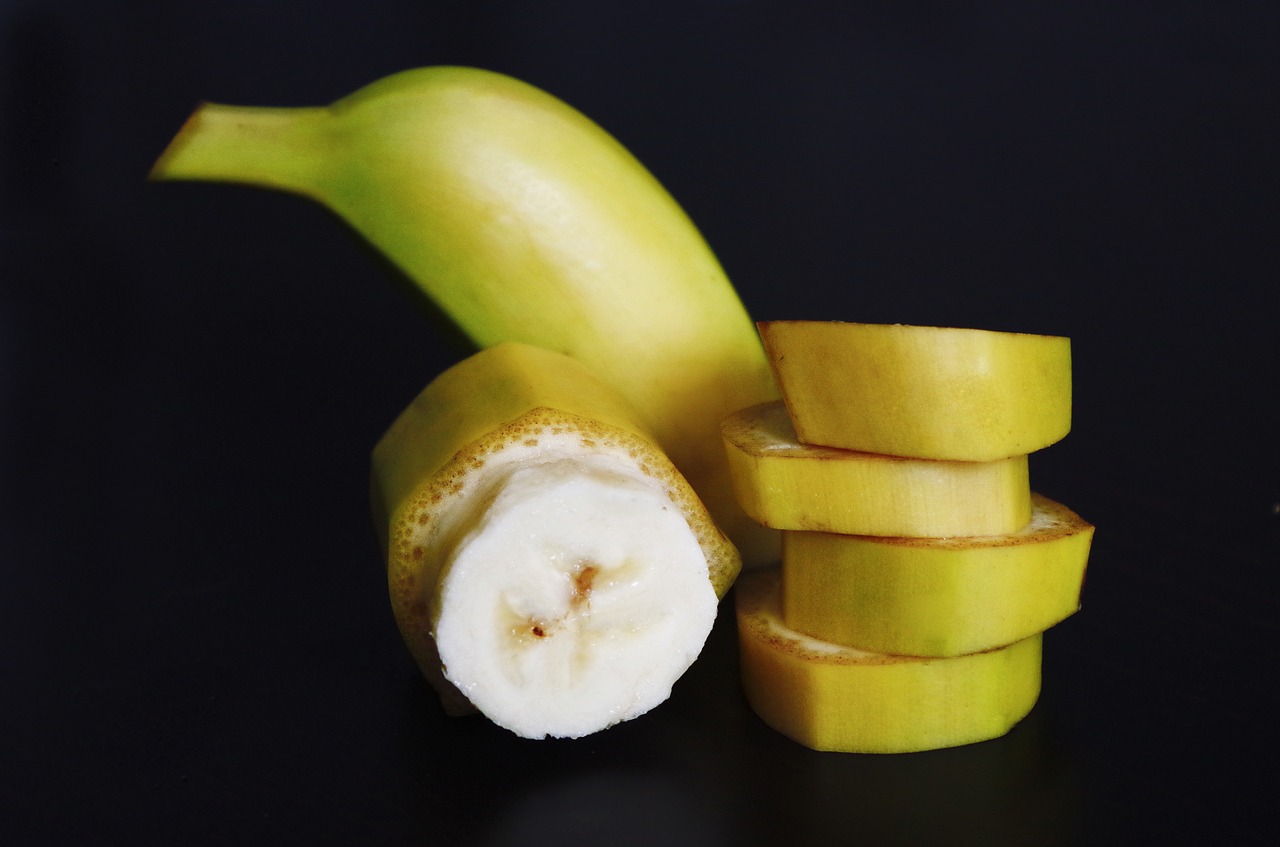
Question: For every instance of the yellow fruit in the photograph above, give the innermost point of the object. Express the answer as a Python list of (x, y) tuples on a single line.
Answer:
[(830, 697), (444, 462), (924, 392), (792, 486), (941, 596), (522, 220)]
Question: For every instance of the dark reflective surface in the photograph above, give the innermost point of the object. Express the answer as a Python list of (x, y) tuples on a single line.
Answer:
[(198, 648)]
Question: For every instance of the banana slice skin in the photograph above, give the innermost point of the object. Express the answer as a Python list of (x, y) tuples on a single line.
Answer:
[(835, 698), (788, 485), (547, 564), (920, 391), (937, 597)]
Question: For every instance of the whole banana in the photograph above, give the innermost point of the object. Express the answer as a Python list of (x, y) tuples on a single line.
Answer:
[(524, 221)]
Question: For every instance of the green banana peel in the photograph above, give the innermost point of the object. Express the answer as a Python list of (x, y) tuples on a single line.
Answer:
[(522, 220)]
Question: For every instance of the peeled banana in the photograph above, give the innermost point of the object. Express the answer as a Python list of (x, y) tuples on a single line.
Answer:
[(830, 697), (920, 391), (937, 596), (547, 564), (523, 221), (792, 486)]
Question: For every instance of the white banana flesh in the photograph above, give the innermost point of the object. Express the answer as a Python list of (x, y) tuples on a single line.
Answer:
[(574, 599), (548, 566)]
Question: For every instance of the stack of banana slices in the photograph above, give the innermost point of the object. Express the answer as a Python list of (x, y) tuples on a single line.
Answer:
[(919, 571)]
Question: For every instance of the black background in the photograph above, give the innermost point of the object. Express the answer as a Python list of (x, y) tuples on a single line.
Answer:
[(195, 643)]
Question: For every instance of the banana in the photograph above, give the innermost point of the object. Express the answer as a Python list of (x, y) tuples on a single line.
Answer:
[(548, 566), (792, 486), (919, 391), (830, 697), (937, 596), (524, 221)]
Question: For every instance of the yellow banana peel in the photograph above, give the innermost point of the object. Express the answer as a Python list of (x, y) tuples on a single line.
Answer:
[(923, 392), (830, 697), (788, 485), (522, 220), (937, 596)]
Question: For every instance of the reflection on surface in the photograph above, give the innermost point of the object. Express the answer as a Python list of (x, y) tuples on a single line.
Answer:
[(1020, 789), (702, 769), (606, 807)]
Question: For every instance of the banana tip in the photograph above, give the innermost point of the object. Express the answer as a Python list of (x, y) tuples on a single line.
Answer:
[(161, 169)]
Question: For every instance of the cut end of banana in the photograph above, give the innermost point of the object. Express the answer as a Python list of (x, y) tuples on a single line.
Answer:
[(560, 574), (575, 601)]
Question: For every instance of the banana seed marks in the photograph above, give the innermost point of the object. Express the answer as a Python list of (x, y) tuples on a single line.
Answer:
[(582, 582)]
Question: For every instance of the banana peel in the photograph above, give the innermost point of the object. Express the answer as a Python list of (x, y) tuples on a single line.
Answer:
[(937, 596), (919, 391), (522, 220), (788, 485), (835, 698)]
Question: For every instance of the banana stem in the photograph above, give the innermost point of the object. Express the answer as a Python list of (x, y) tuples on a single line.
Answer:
[(270, 147)]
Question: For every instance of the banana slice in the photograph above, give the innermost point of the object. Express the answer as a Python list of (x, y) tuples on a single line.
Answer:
[(830, 697), (924, 392), (792, 486), (940, 596), (547, 564)]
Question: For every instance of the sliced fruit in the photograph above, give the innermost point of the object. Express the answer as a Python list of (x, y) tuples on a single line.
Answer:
[(939, 596), (924, 392), (547, 563), (788, 485), (830, 697)]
